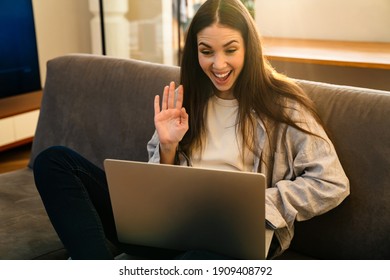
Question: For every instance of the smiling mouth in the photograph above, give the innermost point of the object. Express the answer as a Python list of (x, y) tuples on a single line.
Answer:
[(222, 76)]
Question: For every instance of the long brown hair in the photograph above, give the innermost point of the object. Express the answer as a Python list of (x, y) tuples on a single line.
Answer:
[(259, 89)]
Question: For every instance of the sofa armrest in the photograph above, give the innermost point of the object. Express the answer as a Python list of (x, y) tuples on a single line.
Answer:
[(358, 123)]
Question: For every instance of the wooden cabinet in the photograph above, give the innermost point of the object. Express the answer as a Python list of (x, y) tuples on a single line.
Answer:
[(18, 119)]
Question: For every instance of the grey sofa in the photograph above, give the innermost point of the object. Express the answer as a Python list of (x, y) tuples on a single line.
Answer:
[(103, 107)]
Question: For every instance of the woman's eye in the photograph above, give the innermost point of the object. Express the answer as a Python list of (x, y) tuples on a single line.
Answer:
[(206, 52), (231, 50)]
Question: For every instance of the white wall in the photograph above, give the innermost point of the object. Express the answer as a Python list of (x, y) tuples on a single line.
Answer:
[(350, 20), (62, 27)]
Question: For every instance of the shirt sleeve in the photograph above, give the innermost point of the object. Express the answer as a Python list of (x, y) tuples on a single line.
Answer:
[(153, 148), (307, 177)]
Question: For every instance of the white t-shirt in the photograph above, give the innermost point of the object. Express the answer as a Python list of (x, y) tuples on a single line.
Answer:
[(223, 143)]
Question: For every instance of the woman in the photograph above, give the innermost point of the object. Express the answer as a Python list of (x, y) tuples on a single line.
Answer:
[(231, 111)]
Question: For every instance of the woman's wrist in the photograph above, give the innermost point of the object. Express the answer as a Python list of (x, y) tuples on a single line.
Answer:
[(168, 153)]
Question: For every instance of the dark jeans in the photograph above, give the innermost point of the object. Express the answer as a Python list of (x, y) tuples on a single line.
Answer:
[(75, 194)]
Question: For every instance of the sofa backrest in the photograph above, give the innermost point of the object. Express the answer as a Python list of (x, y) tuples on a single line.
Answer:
[(358, 121), (101, 107)]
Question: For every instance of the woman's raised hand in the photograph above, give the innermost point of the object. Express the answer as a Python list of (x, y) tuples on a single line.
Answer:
[(171, 120)]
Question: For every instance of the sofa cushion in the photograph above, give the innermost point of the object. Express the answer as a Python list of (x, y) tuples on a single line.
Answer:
[(25, 230)]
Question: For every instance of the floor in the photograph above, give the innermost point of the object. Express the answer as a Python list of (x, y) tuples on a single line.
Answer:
[(15, 158)]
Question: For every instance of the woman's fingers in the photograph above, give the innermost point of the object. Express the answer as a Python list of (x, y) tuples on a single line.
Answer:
[(169, 98), (164, 104), (179, 100), (156, 104), (171, 95)]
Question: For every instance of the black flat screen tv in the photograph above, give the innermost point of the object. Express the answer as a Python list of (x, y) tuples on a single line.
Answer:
[(19, 66)]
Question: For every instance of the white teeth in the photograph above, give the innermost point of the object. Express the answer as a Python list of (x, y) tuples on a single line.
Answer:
[(222, 75)]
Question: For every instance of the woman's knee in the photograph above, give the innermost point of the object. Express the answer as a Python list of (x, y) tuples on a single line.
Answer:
[(49, 155), (48, 161)]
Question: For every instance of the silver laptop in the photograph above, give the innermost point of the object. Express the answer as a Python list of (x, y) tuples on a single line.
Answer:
[(187, 208)]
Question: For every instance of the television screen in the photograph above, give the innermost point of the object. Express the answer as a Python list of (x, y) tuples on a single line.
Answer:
[(19, 67)]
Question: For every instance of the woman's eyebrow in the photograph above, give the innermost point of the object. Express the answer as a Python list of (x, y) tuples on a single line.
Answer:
[(230, 42), (225, 45), (204, 44)]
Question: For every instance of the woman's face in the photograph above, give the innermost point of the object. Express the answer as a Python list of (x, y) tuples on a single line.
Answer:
[(221, 52)]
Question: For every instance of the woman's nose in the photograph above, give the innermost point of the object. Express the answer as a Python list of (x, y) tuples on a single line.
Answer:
[(219, 62)]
